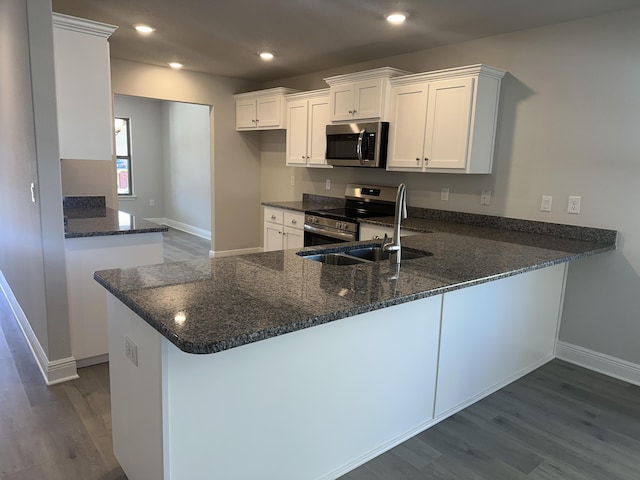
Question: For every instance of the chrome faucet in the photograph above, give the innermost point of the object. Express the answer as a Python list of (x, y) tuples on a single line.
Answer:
[(393, 245)]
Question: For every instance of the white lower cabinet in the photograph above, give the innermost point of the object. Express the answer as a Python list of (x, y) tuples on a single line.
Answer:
[(283, 229), (445, 121), (376, 232)]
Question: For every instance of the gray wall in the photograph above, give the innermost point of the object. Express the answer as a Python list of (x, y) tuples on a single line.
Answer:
[(187, 160), (171, 160), (235, 168), (32, 239), (568, 125), (146, 151)]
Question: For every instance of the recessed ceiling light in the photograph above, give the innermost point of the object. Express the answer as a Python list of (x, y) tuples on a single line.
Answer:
[(144, 28), (396, 18), (175, 65), (266, 55)]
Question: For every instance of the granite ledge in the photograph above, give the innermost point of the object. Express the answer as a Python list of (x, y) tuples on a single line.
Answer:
[(94, 221)]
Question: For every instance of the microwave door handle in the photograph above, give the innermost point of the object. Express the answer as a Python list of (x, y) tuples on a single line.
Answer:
[(359, 146)]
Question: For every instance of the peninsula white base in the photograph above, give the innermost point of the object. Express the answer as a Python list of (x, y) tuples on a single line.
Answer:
[(316, 403)]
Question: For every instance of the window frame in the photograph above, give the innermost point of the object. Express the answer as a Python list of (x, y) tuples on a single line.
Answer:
[(127, 158)]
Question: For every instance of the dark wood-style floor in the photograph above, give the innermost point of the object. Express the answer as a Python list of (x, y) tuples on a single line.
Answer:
[(561, 422)]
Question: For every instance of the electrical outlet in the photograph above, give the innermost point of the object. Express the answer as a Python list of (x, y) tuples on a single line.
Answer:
[(485, 197), (545, 205), (131, 350), (444, 193), (152, 203), (574, 205), (327, 184), (293, 181)]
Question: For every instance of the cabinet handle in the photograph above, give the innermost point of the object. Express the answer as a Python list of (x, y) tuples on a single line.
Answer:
[(273, 217), (294, 221)]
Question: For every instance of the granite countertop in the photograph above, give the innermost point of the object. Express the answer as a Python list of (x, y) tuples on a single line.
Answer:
[(102, 221), (210, 305)]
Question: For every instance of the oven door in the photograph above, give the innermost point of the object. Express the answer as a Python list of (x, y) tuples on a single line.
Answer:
[(314, 235)]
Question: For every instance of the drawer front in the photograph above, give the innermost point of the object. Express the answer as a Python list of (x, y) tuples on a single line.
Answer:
[(294, 220), (273, 215)]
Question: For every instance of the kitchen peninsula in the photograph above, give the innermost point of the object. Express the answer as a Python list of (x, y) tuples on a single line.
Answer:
[(98, 237), (272, 365)]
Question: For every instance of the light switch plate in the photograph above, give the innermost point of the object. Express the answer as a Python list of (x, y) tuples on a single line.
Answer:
[(545, 205), (327, 184), (444, 193), (131, 350)]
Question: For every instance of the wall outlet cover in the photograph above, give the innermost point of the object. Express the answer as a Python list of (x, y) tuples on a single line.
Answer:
[(485, 197), (444, 193), (545, 205), (574, 205)]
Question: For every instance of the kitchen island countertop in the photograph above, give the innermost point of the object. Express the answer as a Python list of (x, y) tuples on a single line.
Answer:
[(210, 305)]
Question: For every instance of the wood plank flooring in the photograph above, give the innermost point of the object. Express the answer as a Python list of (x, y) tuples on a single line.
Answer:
[(180, 246), (561, 422)]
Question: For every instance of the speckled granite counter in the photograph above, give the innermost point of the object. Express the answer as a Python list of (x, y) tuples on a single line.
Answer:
[(88, 216), (210, 305)]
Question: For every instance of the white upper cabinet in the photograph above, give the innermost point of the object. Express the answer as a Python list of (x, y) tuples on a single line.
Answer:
[(307, 118), (444, 121), (83, 88), (362, 95), (261, 110)]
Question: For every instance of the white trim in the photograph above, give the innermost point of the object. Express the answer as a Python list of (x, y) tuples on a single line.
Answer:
[(53, 372), (89, 361), (183, 227), (599, 362), (82, 25), (229, 253)]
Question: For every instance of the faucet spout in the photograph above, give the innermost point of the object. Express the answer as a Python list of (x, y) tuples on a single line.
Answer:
[(400, 214)]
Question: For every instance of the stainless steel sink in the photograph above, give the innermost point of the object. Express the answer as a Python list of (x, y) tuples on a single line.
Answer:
[(335, 259), (358, 255), (376, 254)]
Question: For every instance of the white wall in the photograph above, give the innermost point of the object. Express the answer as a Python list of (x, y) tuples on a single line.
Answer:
[(146, 154), (569, 124), (187, 159)]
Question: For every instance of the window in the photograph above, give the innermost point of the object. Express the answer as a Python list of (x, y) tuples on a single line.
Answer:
[(123, 156)]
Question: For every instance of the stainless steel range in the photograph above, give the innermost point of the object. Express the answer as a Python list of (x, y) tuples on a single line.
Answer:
[(336, 225)]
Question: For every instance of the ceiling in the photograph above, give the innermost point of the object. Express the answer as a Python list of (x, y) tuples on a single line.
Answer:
[(223, 37)]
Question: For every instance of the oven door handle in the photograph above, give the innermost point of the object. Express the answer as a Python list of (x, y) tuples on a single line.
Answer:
[(346, 237), (359, 146)]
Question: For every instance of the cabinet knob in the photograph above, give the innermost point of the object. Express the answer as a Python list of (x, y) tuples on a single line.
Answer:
[(273, 217), (418, 159), (376, 237), (426, 160), (303, 157), (294, 221)]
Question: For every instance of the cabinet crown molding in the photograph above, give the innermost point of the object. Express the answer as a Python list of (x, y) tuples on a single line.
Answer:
[(82, 25), (479, 69), (383, 72), (307, 94), (269, 91)]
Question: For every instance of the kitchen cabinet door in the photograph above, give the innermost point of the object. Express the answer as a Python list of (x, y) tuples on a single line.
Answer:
[(448, 123), (272, 237), (246, 113), (342, 101), (318, 117), (367, 99), (407, 127), (83, 88), (268, 111), (293, 238), (297, 130)]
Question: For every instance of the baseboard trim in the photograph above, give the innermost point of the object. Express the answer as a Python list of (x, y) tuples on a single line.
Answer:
[(230, 253), (56, 371), (599, 362), (183, 227), (89, 361)]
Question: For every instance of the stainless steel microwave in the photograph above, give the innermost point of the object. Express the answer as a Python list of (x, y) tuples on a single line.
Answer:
[(357, 144)]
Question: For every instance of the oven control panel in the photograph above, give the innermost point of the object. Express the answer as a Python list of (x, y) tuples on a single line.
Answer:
[(342, 225)]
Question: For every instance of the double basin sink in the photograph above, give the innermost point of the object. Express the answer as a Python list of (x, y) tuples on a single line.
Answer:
[(361, 254)]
